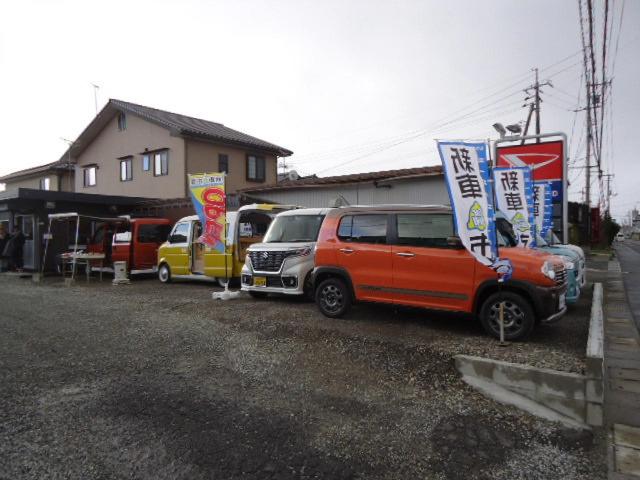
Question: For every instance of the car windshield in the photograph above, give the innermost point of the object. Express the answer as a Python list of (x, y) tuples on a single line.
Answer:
[(506, 235), (294, 228), (553, 239), (541, 241)]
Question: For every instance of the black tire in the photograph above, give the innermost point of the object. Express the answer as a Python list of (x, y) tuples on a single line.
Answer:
[(258, 295), (519, 317), (164, 273), (333, 298)]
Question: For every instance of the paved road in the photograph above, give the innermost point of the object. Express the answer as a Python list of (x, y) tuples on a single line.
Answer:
[(628, 252)]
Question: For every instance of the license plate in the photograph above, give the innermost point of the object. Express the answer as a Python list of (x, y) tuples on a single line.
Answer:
[(561, 302), (259, 281)]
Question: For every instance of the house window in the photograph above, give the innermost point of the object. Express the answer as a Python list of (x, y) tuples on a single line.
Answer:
[(161, 163), (90, 176), (122, 121), (223, 163), (125, 169), (146, 162), (45, 183), (255, 168)]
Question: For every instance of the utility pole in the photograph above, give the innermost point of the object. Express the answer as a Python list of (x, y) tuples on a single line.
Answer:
[(608, 208), (587, 197), (526, 125), (535, 104)]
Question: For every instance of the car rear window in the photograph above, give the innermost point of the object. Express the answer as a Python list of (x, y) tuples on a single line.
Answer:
[(363, 228)]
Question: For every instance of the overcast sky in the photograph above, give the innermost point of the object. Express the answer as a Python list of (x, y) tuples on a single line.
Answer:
[(349, 86)]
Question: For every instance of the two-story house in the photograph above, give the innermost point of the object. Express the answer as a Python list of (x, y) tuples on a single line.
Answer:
[(137, 151), (133, 159)]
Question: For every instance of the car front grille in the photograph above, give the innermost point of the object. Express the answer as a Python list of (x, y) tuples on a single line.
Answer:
[(561, 274), (268, 261)]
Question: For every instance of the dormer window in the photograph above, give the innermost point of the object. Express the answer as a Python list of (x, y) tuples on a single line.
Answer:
[(122, 121)]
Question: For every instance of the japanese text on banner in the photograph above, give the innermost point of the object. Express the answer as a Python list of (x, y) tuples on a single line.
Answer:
[(514, 198), (467, 174), (209, 200), (543, 207)]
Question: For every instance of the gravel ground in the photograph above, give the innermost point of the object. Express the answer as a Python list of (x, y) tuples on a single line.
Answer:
[(156, 381)]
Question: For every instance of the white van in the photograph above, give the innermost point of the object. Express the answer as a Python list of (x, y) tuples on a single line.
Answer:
[(283, 262)]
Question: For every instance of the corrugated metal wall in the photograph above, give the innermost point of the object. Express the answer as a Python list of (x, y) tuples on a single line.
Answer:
[(427, 190)]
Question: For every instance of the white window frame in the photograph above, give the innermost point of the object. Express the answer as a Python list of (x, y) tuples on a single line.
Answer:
[(161, 163), (127, 163), (87, 182)]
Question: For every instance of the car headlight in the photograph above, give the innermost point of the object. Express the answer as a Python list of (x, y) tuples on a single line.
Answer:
[(301, 252), (548, 271), (569, 265)]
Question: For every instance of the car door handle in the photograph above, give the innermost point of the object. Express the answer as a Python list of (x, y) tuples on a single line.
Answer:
[(346, 250), (405, 254)]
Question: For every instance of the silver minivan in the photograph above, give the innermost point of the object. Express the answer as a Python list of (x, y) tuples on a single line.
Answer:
[(283, 262)]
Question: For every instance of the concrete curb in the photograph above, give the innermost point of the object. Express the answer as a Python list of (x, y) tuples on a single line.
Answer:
[(573, 399)]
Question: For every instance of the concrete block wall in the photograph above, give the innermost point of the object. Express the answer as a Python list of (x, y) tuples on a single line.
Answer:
[(570, 395)]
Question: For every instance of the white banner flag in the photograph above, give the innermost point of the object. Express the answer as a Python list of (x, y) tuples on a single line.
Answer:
[(514, 195), (467, 176)]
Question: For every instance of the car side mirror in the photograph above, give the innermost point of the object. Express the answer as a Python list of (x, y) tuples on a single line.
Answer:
[(454, 242)]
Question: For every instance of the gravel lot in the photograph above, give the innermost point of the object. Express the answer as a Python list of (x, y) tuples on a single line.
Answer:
[(157, 381)]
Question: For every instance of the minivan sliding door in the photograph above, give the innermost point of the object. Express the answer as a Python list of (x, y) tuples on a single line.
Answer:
[(427, 272)]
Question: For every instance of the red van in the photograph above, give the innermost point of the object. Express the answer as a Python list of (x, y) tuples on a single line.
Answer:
[(134, 241)]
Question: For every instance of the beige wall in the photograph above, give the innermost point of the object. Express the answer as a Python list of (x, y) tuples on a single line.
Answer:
[(66, 181), (34, 182), (202, 157), (110, 144)]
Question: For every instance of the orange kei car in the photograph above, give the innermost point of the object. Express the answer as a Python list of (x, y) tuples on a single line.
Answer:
[(408, 255)]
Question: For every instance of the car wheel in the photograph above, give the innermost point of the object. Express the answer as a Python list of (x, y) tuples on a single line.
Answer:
[(519, 318), (164, 273), (259, 295), (333, 298)]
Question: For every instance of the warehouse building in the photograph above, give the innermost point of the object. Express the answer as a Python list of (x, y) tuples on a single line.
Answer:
[(422, 185)]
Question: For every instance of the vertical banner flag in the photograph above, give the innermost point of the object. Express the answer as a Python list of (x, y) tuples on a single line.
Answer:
[(210, 202), (514, 198), (466, 172), (547, 162), (543, 207)]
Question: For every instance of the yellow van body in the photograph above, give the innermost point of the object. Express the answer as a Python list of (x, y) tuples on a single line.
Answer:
[(183, 256)]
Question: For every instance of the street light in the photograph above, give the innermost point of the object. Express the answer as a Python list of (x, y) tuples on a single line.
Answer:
[(515, 128), (500, 129)]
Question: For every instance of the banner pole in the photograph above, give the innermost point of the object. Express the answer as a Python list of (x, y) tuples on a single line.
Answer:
[(495, 207)]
